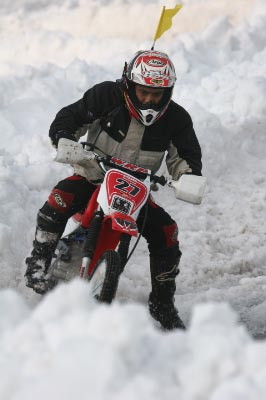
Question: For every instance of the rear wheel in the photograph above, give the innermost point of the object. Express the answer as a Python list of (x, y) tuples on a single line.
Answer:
[(104, 280)]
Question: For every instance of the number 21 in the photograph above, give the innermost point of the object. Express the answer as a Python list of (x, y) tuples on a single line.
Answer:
[(127, 187)]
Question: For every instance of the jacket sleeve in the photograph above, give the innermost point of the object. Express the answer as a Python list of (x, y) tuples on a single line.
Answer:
[(75, 118), (71, 119), (184, 152)]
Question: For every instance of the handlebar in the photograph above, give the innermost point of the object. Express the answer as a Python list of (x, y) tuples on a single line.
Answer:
[(189, 188), (124, 166)]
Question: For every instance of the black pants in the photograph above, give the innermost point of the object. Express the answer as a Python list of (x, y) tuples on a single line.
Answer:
[(72, 194)]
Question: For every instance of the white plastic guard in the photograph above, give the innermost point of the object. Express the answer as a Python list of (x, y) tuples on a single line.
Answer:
[(71, 152), (190, 188)]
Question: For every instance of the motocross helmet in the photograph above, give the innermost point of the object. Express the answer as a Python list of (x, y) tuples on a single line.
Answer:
[(152, 69)]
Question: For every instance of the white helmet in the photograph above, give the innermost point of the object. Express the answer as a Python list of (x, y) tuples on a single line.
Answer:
[(152, 69)]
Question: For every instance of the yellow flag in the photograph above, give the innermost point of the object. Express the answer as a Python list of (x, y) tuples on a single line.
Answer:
[(166, 20)]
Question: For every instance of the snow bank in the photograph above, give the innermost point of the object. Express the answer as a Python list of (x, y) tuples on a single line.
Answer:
[(70, 347)]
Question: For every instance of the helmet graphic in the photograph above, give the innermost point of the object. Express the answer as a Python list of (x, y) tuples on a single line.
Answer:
[(153, 69)]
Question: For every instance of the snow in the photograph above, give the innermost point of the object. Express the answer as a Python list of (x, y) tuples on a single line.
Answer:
[(67, 346)]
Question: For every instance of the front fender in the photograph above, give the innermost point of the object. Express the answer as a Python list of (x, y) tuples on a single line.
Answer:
[(123, 223)]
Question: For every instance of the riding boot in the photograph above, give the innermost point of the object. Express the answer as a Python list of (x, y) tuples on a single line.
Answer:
[(164, 269), (50, 227)]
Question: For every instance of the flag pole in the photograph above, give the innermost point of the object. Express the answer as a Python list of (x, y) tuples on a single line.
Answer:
[(158, 27), (165, 21)]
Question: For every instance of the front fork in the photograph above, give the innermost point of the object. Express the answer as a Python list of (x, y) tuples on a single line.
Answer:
[(123, 249), (90, 243)]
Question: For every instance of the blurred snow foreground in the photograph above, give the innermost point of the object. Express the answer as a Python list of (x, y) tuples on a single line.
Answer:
[(71, 347)]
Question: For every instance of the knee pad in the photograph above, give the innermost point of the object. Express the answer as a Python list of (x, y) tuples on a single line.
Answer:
[(61, 200), (171, 234)]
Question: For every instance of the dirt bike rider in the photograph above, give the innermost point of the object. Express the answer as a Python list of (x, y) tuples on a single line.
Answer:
[(134, 119)]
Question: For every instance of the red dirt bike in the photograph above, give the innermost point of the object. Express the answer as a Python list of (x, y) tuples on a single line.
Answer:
[(95, 244)]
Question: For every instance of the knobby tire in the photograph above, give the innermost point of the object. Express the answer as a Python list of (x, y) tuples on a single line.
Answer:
[(111, 279)]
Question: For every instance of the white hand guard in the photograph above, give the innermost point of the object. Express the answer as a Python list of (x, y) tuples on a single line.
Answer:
[(70, 152), (189, 188)]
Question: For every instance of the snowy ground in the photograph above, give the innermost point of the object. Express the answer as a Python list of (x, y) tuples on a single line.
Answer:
[(66, 346)]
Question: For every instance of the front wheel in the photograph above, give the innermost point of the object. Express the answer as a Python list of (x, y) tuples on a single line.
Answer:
[(104, 280)]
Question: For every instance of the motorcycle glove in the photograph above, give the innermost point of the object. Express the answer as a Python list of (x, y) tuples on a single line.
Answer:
[(59, 135)]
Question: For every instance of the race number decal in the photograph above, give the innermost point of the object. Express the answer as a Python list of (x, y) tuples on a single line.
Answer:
[(127, 187)]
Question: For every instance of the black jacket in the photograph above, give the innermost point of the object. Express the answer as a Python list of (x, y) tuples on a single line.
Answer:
[(105, 101)]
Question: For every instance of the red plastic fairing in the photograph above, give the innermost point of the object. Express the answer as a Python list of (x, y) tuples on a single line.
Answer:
[(102, 243), (125, 185), (112, 227), (90, 210), (77, 217)]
